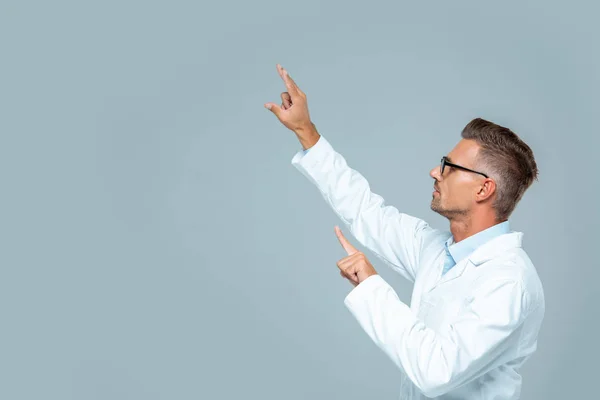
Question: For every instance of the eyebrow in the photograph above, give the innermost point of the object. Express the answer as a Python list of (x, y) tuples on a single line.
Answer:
[(449, 159)]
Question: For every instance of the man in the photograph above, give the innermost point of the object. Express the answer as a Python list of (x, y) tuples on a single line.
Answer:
[(477, 303)]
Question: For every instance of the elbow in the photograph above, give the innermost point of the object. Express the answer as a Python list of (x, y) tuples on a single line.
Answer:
[(441, 378), (435, 389)]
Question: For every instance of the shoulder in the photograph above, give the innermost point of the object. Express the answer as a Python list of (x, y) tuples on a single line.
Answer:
[(514, 265)]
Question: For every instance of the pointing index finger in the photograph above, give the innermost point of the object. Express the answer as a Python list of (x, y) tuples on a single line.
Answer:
[(289, 82), (344, 242)]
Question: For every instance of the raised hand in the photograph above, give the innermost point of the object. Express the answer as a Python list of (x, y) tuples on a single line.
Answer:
[(293, 112)]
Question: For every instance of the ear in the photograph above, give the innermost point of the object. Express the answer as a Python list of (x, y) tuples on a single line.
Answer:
[(486, 189)]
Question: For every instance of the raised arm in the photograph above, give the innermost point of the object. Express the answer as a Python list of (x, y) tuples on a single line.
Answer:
[(395, 237)]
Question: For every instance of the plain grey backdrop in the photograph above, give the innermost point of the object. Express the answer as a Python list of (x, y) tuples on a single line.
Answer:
[(157, 243)]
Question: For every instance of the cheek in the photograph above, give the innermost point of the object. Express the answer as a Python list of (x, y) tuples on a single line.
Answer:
[(462, 193), (456, 192)]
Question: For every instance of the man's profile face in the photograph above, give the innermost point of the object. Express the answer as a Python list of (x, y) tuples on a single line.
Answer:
[(456, 189)]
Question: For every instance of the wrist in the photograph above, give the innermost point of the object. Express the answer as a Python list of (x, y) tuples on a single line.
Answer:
[(308, 136)]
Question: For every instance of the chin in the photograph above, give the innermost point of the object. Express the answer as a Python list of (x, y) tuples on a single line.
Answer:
[(436, 207)]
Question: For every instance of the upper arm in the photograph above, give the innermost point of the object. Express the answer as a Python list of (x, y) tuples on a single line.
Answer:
[(395, 237)]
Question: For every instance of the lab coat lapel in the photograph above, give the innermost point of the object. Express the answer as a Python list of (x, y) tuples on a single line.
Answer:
[(452, 273)]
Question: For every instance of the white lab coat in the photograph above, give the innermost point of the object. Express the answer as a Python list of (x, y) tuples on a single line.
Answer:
[(466, 333)]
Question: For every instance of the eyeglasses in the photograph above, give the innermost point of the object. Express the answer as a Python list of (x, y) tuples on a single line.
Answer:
[(445, 162)]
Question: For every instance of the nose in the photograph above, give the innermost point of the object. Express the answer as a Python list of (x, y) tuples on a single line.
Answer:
[(435, 173)]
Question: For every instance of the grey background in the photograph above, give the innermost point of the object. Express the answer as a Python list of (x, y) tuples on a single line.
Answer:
[(158, 244)]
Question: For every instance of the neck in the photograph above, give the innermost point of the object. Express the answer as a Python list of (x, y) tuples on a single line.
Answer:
[(465, 226)]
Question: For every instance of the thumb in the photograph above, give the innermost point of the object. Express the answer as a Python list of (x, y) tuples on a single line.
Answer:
[(275, 109)]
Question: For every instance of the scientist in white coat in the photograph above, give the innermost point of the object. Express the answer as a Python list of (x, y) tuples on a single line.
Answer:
[(477, 303)]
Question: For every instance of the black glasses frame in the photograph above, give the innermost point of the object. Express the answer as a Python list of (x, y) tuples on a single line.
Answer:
[(445, 162)]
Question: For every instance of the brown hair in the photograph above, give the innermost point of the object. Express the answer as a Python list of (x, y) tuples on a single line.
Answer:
[(506, 159)]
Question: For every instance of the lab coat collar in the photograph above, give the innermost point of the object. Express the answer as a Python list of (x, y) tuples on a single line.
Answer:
[(464, 248), (496, 246)]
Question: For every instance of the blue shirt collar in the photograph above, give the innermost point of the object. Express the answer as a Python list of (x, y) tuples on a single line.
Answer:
[(464, 248)]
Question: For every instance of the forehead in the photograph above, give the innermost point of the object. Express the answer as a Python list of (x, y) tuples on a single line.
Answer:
[(464, 153)]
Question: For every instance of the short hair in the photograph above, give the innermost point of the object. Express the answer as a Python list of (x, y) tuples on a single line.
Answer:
[(505, 158)]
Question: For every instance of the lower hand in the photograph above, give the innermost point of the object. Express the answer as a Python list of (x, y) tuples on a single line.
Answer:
[(355, 267)]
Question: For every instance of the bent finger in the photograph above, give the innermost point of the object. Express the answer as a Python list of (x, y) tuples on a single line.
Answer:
[(286, 100)]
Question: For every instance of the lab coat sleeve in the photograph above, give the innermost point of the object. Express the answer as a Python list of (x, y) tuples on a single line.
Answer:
[(437, 362), (394, 237)]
